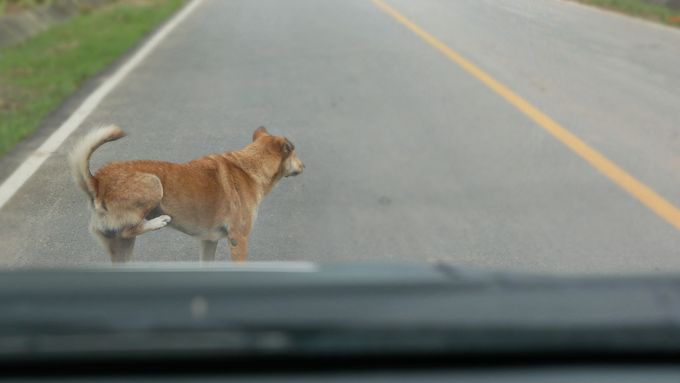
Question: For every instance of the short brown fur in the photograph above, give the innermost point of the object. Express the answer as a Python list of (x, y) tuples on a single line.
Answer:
[(208, 198)]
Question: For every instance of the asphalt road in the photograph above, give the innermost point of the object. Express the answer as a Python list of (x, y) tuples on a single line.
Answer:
[(408, 157)]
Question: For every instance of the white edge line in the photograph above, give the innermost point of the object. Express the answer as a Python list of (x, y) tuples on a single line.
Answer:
[(33, 163)]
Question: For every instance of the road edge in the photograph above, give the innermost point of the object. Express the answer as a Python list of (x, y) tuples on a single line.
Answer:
[(622, 15), (20, 163)]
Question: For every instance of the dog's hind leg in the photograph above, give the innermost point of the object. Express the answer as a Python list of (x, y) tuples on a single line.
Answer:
[(208, 249), (120, 249), (120, 245), (145, 227)]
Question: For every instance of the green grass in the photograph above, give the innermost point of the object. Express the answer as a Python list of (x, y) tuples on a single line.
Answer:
[(639, 9), (36, 76)]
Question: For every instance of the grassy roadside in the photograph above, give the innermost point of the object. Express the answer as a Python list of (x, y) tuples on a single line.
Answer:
[(639, 9), (36, 76)]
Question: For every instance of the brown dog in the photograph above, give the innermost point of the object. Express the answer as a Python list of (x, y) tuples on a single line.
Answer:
[(208, 198)]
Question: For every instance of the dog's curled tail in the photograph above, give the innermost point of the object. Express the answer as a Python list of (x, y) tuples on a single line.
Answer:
[(82, 151)]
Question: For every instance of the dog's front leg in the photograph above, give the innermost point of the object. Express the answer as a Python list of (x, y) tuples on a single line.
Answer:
[(238, 245), (208, 249)]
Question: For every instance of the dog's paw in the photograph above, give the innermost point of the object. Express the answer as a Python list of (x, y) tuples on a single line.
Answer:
[(158, 222)]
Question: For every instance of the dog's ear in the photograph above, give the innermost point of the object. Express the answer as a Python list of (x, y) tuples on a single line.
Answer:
[(261, 131), (287, 146)]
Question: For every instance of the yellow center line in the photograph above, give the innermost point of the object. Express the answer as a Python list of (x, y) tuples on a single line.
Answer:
[(639, 190)]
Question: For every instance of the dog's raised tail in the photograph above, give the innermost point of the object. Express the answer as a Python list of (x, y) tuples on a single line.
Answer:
[(82, 151)]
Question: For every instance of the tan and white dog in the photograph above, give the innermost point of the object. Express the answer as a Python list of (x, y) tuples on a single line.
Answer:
[(209, 198)]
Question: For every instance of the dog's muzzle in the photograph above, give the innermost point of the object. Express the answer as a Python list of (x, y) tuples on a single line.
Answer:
[(293, 174)]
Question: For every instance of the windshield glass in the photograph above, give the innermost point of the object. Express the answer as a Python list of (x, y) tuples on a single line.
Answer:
[(536, 136)]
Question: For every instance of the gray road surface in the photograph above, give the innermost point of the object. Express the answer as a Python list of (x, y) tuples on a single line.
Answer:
[(408, 157)]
